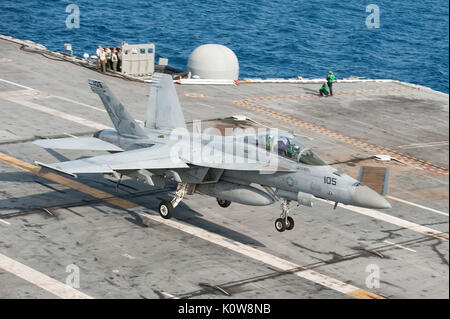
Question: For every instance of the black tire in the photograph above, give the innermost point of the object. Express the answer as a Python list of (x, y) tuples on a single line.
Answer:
[(290, 223), (166, 209), (223, 202), (280, 225)]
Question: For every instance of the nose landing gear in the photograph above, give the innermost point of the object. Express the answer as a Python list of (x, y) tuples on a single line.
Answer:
[(285, 222), (166, 207)]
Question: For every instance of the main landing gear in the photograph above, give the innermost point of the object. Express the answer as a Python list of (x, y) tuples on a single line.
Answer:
[(285, 222), (166, 207)]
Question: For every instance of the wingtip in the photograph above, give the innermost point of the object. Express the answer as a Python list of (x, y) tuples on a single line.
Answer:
[(54, 169)]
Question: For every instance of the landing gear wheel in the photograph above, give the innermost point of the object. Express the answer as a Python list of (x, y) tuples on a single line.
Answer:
[(280, 225), (223, 202), (166, 209), (289, 223)]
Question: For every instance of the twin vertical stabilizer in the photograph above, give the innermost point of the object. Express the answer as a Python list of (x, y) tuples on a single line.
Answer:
[(122, 120), (164, 110)]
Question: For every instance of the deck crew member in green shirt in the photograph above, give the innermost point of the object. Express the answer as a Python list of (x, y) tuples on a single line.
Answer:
[(330, 79), (324, 90)]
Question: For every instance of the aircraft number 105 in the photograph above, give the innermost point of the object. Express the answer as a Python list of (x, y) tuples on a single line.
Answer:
[(329, 180)]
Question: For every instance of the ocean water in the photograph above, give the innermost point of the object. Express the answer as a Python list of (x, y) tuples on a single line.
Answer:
[(279, 38)]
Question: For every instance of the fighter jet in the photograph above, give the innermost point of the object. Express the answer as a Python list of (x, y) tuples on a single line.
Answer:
[(257, 168)]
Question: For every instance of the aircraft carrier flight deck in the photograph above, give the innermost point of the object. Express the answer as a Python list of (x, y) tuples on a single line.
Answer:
[(114, 238)]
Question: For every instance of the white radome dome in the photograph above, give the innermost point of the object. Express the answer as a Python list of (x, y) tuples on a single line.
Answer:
[(213, 61)]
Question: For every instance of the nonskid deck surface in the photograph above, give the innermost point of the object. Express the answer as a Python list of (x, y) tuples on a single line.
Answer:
[(50, 224)]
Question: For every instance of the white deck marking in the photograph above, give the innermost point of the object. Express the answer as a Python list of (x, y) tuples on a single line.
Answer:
[(421, 145), (4, 222), (56, 96), (74, 136), (400, 246), (39, 279), (79, 103), (60, 114), (417, 205), (128, 256), (393, 220), (14, 98), (256, 254), (205, 105), (16, 84)]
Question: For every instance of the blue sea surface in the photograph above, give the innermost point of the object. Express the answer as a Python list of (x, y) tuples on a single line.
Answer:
[(279, 38)]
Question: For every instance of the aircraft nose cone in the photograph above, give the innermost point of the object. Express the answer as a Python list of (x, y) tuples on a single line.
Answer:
[(368, 198)]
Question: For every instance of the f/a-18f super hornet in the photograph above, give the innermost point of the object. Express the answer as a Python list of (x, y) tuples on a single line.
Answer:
[(252, 169)]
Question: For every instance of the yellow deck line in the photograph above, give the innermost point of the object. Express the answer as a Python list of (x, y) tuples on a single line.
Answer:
[(68, 182), (364, 294), (246, 250)]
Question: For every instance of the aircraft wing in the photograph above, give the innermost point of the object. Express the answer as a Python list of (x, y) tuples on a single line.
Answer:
[(155, 157), (80, 143)]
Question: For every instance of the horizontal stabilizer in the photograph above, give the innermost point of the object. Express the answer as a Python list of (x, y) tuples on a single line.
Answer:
[(81, 143)]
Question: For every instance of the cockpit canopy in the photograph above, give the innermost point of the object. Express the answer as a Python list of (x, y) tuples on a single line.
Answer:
[(287, 147)]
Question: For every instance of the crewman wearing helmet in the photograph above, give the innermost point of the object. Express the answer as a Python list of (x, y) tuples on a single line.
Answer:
[(330, 79)]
